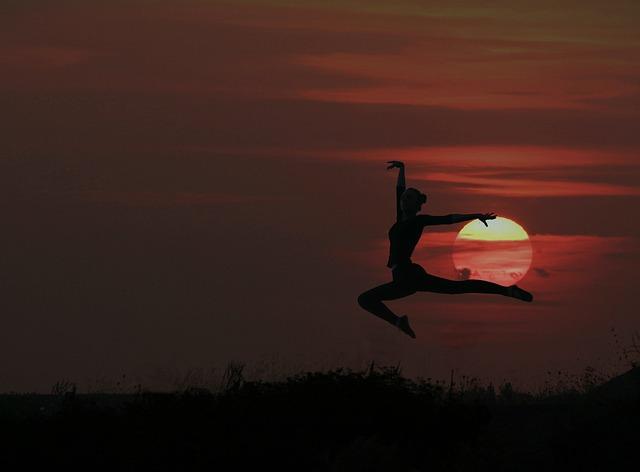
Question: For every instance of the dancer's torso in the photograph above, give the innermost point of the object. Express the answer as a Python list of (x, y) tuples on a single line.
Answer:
[(403, 237)]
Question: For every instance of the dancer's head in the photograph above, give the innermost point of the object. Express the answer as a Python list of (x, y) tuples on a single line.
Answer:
[(411, 200)]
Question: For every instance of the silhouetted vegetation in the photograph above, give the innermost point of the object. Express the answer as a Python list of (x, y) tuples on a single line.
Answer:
[(341, 420)]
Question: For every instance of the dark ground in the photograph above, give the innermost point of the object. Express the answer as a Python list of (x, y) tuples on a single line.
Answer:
[(330, 421)]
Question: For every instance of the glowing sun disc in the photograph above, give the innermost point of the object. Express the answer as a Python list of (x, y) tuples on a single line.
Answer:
[(500, 253)]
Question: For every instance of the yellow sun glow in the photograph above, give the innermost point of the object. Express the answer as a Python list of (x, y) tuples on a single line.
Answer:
[(500, 229)]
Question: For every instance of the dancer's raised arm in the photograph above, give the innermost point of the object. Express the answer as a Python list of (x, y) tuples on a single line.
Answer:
[(400, 186), (427, 220), (400, 165)]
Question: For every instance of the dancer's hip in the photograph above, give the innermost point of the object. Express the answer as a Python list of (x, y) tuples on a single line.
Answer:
[(401, 264), (407, 272)]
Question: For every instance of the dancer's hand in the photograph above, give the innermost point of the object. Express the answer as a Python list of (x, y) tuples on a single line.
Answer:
[(487, 216), (395, 164)]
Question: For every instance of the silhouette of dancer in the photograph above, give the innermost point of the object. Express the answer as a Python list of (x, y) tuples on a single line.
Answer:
[(409, 277)]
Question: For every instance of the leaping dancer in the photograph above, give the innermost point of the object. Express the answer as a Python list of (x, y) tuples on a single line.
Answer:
[(409, 277)]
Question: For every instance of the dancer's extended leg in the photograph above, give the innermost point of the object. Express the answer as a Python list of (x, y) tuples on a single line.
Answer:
[(371, 300), (433, 283)]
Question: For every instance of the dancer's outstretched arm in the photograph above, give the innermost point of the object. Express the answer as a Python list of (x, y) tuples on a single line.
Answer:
[(400, 186), (428, 220)]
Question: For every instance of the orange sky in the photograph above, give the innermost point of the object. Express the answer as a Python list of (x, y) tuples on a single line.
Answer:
[(193, 182)]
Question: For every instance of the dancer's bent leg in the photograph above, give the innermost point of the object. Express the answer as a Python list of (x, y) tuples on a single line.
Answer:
[(371, 300)]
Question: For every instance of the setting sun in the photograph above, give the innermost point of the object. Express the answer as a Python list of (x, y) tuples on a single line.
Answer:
[(500, 253)]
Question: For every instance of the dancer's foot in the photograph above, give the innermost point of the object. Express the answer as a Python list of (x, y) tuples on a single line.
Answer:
[(517, 292), (403, 324)]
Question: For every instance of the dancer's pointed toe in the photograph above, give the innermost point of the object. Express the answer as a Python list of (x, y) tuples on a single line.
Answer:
[(517, 292), (403, 325)]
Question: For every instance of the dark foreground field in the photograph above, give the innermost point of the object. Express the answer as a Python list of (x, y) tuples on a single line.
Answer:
[(333, 421)]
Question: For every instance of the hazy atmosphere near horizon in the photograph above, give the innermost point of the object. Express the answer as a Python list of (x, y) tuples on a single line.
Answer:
[(196, 182)]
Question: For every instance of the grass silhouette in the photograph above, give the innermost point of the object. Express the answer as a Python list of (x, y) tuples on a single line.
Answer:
[(339, 420)]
